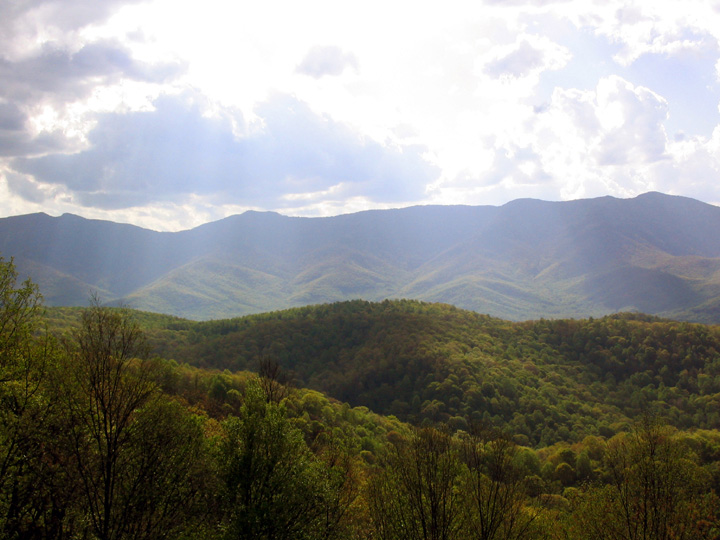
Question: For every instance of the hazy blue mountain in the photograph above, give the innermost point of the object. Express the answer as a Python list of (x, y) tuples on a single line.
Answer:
[(527, 259)]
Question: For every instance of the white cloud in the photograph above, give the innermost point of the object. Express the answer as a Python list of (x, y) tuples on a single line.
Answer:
[(530, 55), (27, 25), (604, 138), (52, 75), (693, 170), (327, 107), (176, 151), (632, 118), (641, 27), (583, 143), (326, 60)]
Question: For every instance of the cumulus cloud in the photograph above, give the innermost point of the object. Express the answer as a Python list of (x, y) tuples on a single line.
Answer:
[(18, 138), (46, 69), (11, 118), (517, 63), (632, 118), (519, 166), (25, 187), (175, 151), (617, 123), (326, 60), (22, 22), (64, 75), (56, 77), (609, 139), (693, 168), (666, 28), (530, 55), (606, 140)]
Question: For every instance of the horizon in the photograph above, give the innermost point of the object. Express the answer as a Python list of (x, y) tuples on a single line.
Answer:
[(250, 211), (118, 111)]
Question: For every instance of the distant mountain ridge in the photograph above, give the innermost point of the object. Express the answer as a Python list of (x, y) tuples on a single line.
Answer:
[(527, 259)]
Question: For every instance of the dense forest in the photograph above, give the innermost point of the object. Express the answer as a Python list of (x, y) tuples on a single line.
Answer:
[(546, 381), (357, 420)]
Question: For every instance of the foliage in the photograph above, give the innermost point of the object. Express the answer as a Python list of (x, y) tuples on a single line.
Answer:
[(653, 490), (495, 486), (273, 487), (415, 495), (116, 435), (546, 381), (25, 354)]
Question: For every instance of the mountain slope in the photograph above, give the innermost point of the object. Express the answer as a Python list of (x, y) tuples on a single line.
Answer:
[(527, 259), (545, 381)]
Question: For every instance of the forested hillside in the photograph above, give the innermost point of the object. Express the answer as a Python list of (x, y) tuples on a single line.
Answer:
[(547, 381), (527, 259), (117, 424)]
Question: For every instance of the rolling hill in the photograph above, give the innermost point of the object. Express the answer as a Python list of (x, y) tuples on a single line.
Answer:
[(527, 259), (544, 381)]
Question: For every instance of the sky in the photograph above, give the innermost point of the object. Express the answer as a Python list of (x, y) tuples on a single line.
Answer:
[(170, 113)]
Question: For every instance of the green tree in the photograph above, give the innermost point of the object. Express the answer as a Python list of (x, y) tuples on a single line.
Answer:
[(169, 462), (654, 491), (416, 496), (138, 457), (105, 381), (583, 467), (494, 483), (273, 486), (25, 413)]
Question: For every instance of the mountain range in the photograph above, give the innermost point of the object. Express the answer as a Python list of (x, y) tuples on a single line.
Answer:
[(528, 259)]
